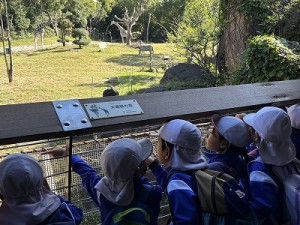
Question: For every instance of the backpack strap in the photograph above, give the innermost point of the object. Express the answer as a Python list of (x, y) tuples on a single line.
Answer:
[(172, 171), (117, 214), (229, 168)]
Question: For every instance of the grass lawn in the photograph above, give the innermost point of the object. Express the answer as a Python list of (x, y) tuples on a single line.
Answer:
[(57, 72)]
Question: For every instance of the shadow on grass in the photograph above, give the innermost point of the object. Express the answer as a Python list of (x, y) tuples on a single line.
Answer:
[(124, 80), (135, 60), (57, 49)]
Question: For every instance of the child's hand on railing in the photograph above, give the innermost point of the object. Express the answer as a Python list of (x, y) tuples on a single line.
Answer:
[(240, 115), (56, 152), (149, 160)]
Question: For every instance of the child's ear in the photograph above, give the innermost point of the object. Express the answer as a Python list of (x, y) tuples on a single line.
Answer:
[(256, 137), (168, 153), (223, 144)]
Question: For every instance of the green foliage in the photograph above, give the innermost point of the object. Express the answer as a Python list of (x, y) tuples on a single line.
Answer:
[(198, 32), (269, 58), (81, 37), (289, 23), (65, 26), (80, 33), (82, 42), (264, 17), (257, 12)]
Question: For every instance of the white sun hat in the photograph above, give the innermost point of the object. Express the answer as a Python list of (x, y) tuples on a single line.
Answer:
[(273, 125), (186, 138), (25, 200), (182, 133), (119, 162), (232, 129), (294, 114)]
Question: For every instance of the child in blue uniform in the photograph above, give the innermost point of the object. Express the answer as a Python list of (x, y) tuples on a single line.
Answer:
[(178, 149), (123, 166), (272, 136), (225, 146), (27, 199), (294, 114)]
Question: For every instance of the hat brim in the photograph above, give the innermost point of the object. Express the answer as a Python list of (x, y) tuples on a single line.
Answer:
[(117, 192), (147, 148), (154, 133), (214, 120), (249, 119), (277, 153), (39, 211)]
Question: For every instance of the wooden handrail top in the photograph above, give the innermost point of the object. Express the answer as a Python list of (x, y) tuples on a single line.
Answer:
[(37, 121)]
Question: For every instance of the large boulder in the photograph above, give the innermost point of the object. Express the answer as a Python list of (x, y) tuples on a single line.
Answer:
[(188, 75)]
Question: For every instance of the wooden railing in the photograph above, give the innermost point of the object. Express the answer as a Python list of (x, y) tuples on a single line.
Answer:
[(39, 121), (36, 121)]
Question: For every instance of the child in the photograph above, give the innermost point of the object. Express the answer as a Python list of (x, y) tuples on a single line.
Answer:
[(272, 135), (26, 199), (226, 142), (179, 144), (294, 114), (123, 166)]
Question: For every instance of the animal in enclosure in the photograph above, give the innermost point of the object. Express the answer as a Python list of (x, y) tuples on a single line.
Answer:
[(123, 31), (144, 48), (40, 31)]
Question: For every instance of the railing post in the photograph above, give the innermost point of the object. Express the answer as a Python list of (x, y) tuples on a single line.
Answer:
[(69, 144)]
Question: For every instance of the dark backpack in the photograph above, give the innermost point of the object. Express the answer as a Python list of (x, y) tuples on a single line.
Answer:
[(136, 213), (221, 199)]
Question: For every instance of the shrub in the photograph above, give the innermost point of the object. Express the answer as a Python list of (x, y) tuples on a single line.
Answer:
[(269, 58), (81, 37), (82, 42)]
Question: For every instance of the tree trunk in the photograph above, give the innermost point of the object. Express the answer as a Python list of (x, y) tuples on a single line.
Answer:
[(129, 21), (234, 37), (9, 65), (129, 34), (148, 27)]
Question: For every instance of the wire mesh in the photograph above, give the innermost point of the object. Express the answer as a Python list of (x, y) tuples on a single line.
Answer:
[(89, 148)]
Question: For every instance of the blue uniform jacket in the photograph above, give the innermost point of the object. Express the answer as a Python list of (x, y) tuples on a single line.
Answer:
[(182, 193), (90, 178), (295, 136), (65, 211), (230, 163), (263, 192)]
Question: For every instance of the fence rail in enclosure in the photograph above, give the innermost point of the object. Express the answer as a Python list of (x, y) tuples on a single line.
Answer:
[(33, 128)]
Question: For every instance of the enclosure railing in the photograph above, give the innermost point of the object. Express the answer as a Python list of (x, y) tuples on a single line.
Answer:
[(85, 126)]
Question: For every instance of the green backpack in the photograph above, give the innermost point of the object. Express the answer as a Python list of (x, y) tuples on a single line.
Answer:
[(221, 199), (136, 213)]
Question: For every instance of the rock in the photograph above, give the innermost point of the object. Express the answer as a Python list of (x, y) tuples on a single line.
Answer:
[(188, 73)]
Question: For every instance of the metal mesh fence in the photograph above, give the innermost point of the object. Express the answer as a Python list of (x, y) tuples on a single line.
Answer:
[(89, 148)]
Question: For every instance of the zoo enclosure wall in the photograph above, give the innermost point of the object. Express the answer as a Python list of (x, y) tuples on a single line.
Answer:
[(35, 127)]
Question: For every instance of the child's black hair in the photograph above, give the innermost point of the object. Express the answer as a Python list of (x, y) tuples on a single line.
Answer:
[(166, 144), (239, 150)]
